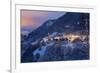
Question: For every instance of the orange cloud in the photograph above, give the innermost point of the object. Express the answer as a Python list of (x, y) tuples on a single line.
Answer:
[(28, 21), (31, 18)]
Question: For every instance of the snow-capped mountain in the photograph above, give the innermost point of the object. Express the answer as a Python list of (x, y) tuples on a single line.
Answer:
[(68, 23)]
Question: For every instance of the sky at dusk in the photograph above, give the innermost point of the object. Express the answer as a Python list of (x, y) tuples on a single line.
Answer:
[(31, 19)]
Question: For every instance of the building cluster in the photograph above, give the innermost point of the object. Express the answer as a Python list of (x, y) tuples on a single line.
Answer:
[(64, 37)]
